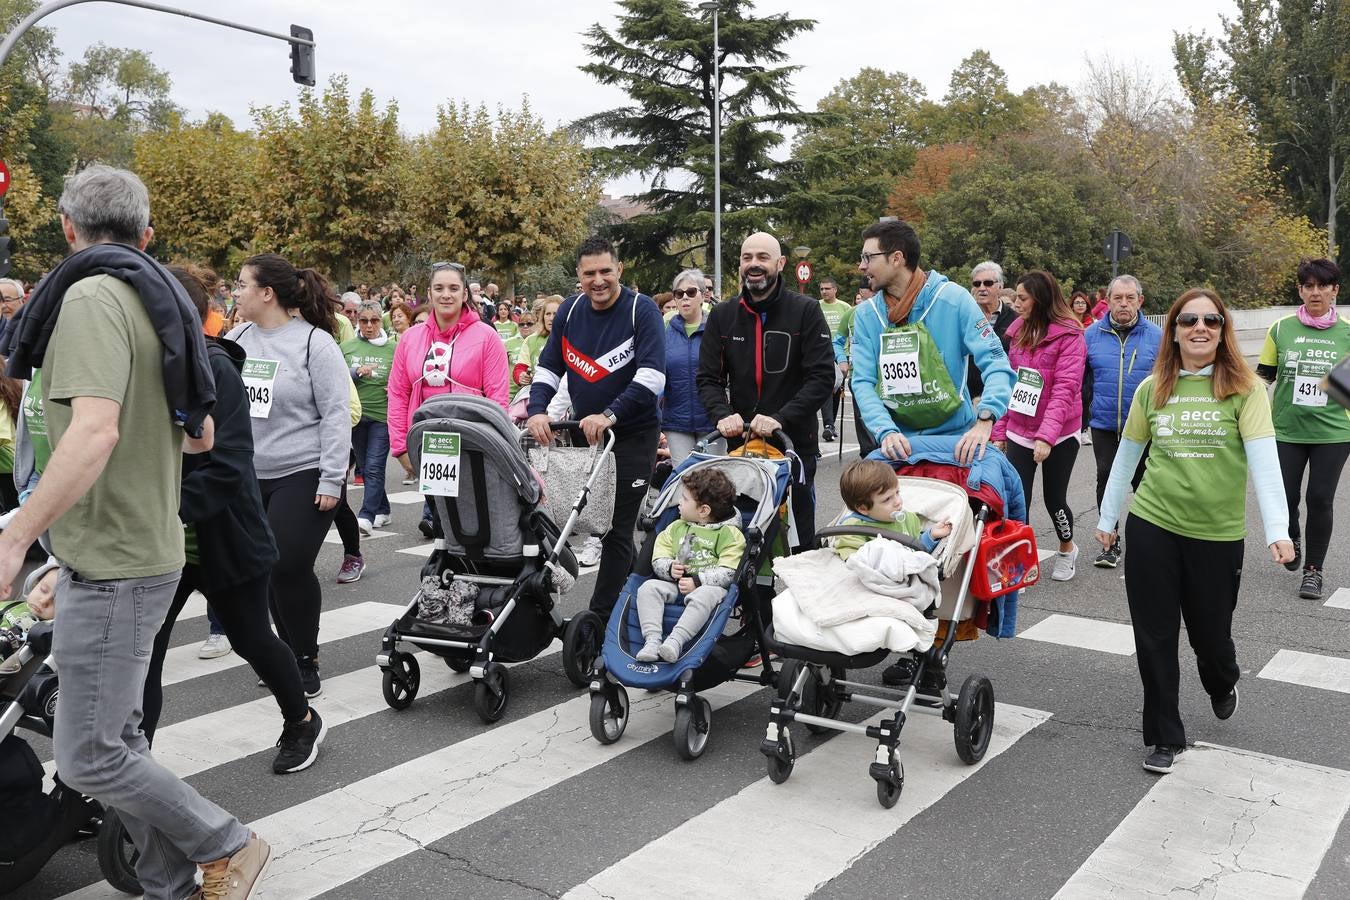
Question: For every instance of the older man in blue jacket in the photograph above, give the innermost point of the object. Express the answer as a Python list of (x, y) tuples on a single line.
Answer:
[(1121, 348)]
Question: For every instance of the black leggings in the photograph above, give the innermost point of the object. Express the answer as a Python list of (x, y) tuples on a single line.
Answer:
[(1105, 443), (299, 528), (1324, 463), (242, 610), (344, 520), (1058, 466)]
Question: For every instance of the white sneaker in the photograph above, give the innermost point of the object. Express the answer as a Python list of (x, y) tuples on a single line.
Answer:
[(1066, 565), (215, 645), (589, 554), (1085, 438), (383, 519), (365, 526)]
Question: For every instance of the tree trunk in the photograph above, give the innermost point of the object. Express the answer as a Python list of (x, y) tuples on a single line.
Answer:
[(342, 274), (1333, 186)]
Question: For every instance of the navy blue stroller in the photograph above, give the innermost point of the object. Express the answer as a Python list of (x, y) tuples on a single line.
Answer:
[(712, 656)]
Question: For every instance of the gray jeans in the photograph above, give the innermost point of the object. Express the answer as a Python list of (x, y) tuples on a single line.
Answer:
[(681, 444), (699, 603), (105, 631)]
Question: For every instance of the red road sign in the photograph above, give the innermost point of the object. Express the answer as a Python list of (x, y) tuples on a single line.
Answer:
[(4, 178), (803, 272)]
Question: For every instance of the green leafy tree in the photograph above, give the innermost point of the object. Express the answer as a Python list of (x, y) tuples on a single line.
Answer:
[(660, 55), (323, 189), (110, 96), (978, 107)]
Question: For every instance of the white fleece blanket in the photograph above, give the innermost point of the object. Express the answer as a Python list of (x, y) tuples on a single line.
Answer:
[(892, 570), (835, 590)]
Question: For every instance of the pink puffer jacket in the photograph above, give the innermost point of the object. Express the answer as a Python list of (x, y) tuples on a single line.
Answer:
[(1060, 358)]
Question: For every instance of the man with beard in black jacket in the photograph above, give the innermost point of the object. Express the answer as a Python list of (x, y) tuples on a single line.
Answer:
[(766, 363)]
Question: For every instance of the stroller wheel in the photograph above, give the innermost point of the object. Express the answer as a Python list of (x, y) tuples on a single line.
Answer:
[(582, 638), (811, 702), (608, 720), (692, 727), (780, 764), (117, 855), (401, 680), (974, 718), (492, 693), (47, 697), (890, 788)]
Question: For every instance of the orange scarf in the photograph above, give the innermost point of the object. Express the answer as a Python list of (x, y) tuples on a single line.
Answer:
[(897, 311)]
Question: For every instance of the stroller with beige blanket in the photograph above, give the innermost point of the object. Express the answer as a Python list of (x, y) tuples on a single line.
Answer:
[(834, 617)]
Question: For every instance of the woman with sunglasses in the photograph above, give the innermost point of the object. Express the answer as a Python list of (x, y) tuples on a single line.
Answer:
[(452, 352), (1048, 354), (1310, 433), (535, 325), (1205, 418), (683, 418), (370, 356)]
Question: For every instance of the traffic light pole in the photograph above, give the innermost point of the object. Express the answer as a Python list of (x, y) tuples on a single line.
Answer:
[(12, 39)]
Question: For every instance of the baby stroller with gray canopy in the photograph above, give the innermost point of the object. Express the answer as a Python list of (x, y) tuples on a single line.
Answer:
[(488, 592)]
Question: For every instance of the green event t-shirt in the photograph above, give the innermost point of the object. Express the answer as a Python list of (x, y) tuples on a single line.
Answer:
[(1195, 483), (834, 315), (373, 389), (1303, 413), (514, 345), (126, 525), (35, 422), (507, 330)]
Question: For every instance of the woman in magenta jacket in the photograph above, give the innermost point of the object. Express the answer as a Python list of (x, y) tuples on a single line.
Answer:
[(452, 352), (1048, 354)]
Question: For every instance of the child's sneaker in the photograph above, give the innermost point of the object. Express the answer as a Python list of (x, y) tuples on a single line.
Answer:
[(650, 651), (670, 649)]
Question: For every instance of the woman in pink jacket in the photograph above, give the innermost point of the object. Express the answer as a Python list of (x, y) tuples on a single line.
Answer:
[(452, 352), (1041, 428)]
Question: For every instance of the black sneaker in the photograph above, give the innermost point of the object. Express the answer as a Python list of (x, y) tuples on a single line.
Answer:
[(1225, 706), (309, 676), (932, 682), (1109, 559), (1162, 759), (900, 673), (1311, 588), (299, 743), (828, 433), (1294, 563), (427, 528)]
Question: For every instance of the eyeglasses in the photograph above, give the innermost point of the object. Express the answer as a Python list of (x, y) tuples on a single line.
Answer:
[(866, 258), (691, 293), (368, 321), (526, 323), (988, 282), (1211, 320)]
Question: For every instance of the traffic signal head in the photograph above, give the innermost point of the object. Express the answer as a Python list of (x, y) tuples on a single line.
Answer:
[(302, 56)]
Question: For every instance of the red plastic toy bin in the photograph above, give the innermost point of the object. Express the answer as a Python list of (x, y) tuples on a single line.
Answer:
[(1005, 561)]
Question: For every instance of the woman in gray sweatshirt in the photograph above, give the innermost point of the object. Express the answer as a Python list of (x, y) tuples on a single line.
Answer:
[(298, 393)]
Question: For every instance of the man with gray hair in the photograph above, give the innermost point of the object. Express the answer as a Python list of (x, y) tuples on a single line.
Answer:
[(986, 282), (102, 326), (11, 299), (1121, 348)]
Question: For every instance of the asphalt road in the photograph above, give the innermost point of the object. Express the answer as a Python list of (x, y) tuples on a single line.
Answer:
[(431, 802)]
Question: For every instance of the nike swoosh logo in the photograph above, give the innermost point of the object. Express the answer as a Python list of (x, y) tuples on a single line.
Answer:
[(639, 483)]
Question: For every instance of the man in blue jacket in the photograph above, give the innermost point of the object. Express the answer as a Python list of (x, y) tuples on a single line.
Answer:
[(607, 341), (1121, 347)]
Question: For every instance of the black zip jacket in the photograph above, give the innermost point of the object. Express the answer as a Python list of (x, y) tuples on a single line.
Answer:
[(220, 489), (772, 357)]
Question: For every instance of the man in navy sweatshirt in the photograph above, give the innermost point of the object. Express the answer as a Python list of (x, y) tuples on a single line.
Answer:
[(608, 342)]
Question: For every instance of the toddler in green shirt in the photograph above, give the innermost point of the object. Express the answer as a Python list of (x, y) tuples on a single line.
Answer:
[(870, 490), (695, 556)]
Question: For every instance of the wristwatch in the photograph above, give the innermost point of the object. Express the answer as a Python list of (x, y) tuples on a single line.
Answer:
[(986, 415), (609, 414)]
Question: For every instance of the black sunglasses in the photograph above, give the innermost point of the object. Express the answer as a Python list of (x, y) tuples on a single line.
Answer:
[(687, 292), (1211, 320), (988, 282)]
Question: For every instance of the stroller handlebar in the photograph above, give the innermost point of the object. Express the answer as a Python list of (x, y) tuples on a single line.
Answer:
[(778, 434)]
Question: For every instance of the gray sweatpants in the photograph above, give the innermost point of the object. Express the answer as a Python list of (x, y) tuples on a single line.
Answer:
[(105, 631), (699, 603)]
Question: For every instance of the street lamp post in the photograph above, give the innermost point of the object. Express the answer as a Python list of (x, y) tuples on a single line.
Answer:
[(717, 152)]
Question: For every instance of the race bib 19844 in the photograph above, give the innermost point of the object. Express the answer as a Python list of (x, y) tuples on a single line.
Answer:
[(439, 471)]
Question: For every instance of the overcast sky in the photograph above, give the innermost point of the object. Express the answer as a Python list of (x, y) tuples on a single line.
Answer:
[(423, 53)]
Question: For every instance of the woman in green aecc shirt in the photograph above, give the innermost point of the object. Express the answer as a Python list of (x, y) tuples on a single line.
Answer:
[(1310, 433), (1206, 419)]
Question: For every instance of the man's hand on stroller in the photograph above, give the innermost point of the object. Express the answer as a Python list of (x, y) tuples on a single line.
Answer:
[(764, 426), (593, 426), (972, 443), (732, 426), (537, 426), (895, 445)]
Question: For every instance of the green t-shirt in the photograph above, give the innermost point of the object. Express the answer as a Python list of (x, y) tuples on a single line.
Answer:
[(1303, 356), (835, 314), (35, 421), (845, 545), (126, 525), (372, 389), (515, 344), (506, 329), (1195, 483), (346, 330)]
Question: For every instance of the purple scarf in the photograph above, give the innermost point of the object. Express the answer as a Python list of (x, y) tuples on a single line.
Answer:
[(1321, 324)]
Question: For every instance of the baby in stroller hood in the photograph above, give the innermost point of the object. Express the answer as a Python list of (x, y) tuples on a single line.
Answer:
[(695, 556), (870, 490), (38, 605)]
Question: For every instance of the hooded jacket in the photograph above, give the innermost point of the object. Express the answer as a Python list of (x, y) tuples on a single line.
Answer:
[(682, 410), (477, 365), (1059, 358), (220, 496), (960, 330), (1117, 361), (773, 357)]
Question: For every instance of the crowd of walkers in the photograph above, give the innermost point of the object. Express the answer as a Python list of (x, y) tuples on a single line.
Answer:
[(222, 425)]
